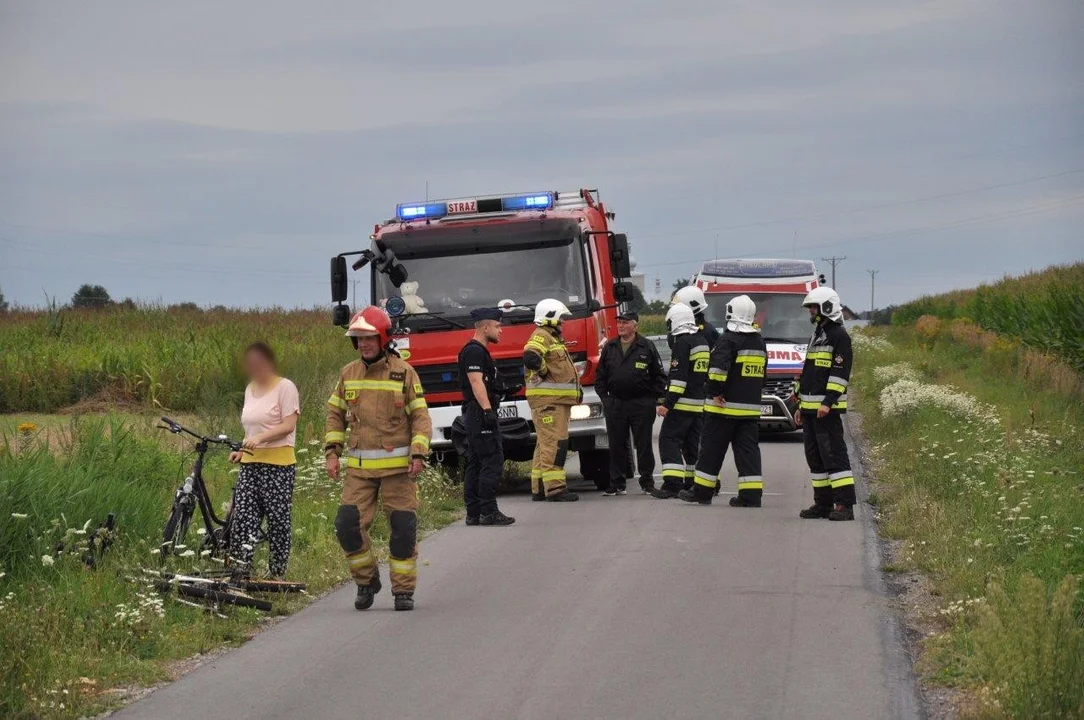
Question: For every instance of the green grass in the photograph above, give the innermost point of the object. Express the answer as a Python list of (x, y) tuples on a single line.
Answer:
[(989, 504), (65, 648), (1044, 310)]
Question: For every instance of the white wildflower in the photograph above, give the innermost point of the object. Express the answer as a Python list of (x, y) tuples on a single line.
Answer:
[(188, 553), (19, 516), (47, 560)]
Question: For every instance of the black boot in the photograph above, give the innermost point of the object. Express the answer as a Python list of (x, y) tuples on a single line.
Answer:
[(404, 602), (472, 521), (564, 496), (496, 518), (647, 486), (538, 496), (816, 512), (842, 512), (667, 491), (746, 498), (699, 494)]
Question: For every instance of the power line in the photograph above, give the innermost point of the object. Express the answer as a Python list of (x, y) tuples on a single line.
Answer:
[(872, 284), (833, 261)]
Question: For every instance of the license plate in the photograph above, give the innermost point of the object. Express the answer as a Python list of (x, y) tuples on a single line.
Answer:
[(767, 409), (507, 411)]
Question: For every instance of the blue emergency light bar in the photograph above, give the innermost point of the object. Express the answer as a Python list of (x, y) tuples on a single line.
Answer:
[(473, 206)]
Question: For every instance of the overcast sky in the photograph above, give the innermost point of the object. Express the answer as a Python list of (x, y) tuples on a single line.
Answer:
[(220, 152)]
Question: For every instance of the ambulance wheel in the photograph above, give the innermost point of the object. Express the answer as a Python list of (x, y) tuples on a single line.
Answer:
[(595, 467)]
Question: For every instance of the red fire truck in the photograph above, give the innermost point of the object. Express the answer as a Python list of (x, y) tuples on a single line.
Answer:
[(778, 288), (436, 260)]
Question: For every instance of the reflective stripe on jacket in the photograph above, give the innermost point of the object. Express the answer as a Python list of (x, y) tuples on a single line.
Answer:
[(377, 416), (736, 374), (556, 382), (827, 370), (688, 373)]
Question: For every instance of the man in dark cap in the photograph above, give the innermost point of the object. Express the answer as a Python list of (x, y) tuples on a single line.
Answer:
[(630, 380), (482, 391)]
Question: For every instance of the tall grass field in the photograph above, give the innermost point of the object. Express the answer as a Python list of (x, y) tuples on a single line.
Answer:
[(1044, 310), (978, 456)]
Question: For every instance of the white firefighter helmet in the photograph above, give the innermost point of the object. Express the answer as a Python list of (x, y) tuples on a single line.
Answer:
[(692, 296), (550, 312), (680, 319), (740, 312), (826, 301)]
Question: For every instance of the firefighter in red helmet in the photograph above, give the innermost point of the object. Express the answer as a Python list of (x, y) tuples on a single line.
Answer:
[(378, 422)]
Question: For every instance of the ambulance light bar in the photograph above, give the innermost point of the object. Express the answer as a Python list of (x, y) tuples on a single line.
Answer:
[(473, 206), (758, 268)]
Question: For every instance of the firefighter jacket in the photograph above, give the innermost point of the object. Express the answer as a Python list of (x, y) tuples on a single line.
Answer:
[(688, 373), (377, 417), (827, 370), (710, 333), (551, 377), (736, 374), (631, 375)]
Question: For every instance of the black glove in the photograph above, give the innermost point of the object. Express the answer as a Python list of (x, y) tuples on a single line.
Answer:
[(510, 390), (489, 420)]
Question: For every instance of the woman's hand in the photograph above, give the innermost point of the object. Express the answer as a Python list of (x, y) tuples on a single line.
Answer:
[(250, 443), (235, 457)]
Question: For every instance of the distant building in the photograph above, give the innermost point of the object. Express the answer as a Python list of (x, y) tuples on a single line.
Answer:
[(849, 314)]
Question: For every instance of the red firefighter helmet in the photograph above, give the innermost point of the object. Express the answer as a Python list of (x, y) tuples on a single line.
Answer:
[(370, 321)]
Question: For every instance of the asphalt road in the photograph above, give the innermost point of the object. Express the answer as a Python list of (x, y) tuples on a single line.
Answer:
[(623, 607)]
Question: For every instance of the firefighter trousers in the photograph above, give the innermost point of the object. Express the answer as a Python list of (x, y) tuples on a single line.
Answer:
[(721, 433), (485, 462), (639, 417), (550, 449), (679, 445), (829, 464), (356, 513)]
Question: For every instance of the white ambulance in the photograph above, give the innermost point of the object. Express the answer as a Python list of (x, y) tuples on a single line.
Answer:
[(777, 287)]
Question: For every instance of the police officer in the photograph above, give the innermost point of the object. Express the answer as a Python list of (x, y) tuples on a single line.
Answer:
[(732, 409), (553, 387), (693, 296), (482, 391), (379, 420), (683, 407), (630, 380), (821, 393)]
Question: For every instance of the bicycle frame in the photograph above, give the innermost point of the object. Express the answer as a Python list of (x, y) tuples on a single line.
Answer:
[(203, 497)]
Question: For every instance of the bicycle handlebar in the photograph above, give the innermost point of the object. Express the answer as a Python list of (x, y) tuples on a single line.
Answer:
[(176, 428)]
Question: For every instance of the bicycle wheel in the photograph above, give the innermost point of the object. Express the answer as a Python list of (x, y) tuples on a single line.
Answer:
[(274, 586), (228, 597), (180, 517)]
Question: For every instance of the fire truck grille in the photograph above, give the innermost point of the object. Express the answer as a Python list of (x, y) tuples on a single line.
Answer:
[(445, 378)]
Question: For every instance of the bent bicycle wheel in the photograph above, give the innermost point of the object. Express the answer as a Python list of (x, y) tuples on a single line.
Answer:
[(222, 596)]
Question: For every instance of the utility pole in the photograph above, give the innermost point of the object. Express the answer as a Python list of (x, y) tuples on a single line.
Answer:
[(833, 261), (354, 299), (872, 284)]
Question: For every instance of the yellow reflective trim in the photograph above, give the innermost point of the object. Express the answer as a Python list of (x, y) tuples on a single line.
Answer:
[(818, 356), (752, 360), (755, 485), (704, 481), (390, 385), (359, 560), (836, 387), (732, 412), (335, 437), (685, 407), (403, 567), (552, 392), (377, 463), (717, 377), (337, 402), (673, 473), (420, 440), (699, 355), (821, 483), (809, 404), (676, 389), (415, 405), (841, 482)]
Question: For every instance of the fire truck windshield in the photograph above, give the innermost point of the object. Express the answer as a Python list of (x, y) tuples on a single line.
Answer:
[(780, 316), (450, 285)]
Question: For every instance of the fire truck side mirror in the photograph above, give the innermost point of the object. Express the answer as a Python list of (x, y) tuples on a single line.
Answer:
[(338, 279), (340, 315), (619, 256), (623, 292)]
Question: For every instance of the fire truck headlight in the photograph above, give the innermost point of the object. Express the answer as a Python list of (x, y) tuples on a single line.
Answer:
[(586, 411)]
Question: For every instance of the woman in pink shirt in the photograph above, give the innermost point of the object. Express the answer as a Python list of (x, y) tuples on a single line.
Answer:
[(265, 483)]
